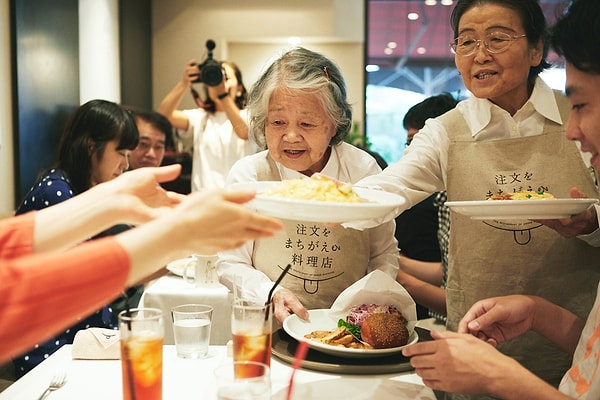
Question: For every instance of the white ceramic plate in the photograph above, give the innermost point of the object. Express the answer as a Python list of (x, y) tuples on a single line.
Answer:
[(521, 209), (321, 320), (378, 203), (176, 267)]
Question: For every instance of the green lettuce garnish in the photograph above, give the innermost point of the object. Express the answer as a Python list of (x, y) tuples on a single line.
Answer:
[(353, 329)]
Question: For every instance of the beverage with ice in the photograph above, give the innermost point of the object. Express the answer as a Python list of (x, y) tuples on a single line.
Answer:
[(192, 337), (141, 353), (251, 333), (141, 359)]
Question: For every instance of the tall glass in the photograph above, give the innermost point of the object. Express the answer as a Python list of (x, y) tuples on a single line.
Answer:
[(142, 334), (252, 335)]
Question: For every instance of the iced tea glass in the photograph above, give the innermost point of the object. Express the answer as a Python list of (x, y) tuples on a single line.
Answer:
[(251, 331), (142, 333)]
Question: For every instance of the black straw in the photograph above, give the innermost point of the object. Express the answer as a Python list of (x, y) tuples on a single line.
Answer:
[(127, 359), (285, 270)]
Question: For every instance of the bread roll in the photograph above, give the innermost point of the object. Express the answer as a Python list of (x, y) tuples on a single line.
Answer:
[(383, 330)]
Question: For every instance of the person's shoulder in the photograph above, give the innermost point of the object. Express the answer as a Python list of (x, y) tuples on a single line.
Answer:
[(53, 188)]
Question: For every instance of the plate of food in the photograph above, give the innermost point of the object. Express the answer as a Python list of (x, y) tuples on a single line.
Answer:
[(381, 333), (318, 200), (177, 266), (521, 205)]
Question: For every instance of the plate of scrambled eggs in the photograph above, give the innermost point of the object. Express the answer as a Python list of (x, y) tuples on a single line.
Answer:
[(318, 200)]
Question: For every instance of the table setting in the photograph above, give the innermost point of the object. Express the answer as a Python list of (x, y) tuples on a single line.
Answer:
[(194, 379), (258, 364)]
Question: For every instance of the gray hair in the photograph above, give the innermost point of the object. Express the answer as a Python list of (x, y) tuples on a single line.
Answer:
[(304, 71)]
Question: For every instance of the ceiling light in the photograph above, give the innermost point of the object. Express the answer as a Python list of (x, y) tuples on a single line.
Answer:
[(430, 2), (388, 51), (372, 68), (294, 40), (413, 16), (392, 45), (446, 2), (421, 50)]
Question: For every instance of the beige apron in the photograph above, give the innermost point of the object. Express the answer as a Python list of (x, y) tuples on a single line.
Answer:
[(494, 258), (325, 260)]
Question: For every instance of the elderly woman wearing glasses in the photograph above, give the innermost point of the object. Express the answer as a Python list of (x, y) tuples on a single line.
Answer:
[(508, 136)]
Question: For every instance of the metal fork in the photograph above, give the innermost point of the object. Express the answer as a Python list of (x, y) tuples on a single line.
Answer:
[(58, 380)]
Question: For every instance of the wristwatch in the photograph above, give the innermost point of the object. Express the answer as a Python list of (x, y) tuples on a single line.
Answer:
[(222, 95)]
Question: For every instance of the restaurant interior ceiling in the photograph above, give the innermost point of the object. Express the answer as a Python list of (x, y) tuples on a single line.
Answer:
[(410, 39)]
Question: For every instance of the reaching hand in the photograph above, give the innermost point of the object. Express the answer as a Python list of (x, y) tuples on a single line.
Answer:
[(138, 195), (212, 220), (498, 319), (459, 363)]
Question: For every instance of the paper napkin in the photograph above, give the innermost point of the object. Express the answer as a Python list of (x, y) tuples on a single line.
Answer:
[(96, 344)]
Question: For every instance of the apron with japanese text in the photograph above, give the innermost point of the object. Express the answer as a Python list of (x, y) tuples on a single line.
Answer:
[(325, 260), (490, 258)]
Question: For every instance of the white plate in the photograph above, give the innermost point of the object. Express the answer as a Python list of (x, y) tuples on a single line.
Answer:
[(320, 320), (378, 203), (176, 267), (521, 209)]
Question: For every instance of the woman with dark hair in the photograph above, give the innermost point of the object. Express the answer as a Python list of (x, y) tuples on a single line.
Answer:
[(507, 137), (300, 114), (217, 129), (92, 149)]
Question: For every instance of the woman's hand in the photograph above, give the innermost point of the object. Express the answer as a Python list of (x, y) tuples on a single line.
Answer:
[(137, 195), (212, 220), (190, 73), (583, 223), (286, 303)]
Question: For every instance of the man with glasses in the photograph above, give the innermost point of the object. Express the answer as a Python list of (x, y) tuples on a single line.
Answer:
[(507, 137), (154, 129)]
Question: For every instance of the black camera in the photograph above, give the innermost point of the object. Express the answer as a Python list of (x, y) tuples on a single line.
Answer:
[(211, 72)]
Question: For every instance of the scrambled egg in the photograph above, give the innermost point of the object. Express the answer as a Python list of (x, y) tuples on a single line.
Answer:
[(314, 188)]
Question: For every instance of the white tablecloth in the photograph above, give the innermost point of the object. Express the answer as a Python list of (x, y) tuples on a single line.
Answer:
[(171, 290), (193, 379)]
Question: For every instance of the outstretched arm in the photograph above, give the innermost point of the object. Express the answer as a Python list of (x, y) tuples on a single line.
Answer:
[(168, 106), (132, 198)]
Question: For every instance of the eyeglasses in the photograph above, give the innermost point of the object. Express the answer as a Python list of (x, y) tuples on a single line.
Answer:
[(495, 42)]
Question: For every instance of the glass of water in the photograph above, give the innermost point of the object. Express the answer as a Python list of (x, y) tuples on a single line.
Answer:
[(191, 328)]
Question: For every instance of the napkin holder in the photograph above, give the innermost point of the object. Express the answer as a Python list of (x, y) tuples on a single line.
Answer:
[(97, 344)]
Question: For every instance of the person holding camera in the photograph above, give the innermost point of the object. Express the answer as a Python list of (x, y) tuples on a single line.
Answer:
[(218, 127)]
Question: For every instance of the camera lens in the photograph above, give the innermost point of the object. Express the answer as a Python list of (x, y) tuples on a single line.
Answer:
[(212, 73)]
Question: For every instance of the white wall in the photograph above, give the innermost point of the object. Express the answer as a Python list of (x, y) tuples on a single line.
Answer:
[(7, 191), (252, 34)]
